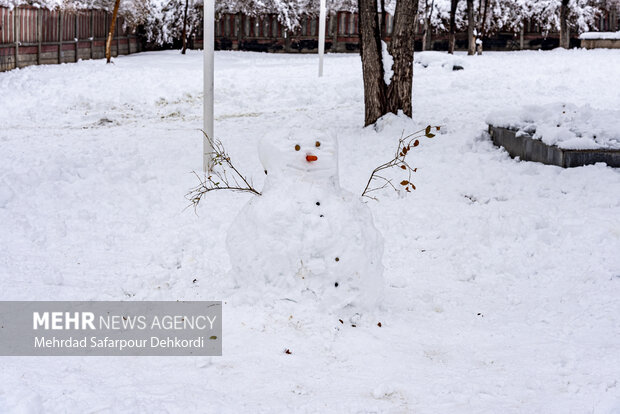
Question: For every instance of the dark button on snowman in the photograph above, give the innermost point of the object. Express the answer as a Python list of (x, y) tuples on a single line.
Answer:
[(305, 237)]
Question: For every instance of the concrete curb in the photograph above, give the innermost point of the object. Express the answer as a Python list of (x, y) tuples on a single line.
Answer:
[(529, 149)]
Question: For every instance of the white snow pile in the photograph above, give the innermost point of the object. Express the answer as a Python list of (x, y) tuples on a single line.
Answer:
[(600, 35), (388, 62), (304, 237), (438, 59), (566, 126)]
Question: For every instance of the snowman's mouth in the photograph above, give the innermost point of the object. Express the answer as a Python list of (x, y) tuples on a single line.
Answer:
[(307, 168)]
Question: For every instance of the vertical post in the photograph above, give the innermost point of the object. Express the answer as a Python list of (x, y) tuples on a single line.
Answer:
[(521, 36), (117, 33), (107, 27), (240, 29), (564, 27), (92, 33), (208, 40), (287, 40), (60, 34), (321, 37), (471, 37), (16, 27), (333, 23), (77, 34), (39, 34)]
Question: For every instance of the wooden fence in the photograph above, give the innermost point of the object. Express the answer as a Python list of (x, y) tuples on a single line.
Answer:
[(30, 36), (265, 33), (34, 36)]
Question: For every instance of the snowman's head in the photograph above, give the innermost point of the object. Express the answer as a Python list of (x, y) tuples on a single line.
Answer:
[(298, 154)]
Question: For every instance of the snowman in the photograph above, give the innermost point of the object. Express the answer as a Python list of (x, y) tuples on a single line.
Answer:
[(305, 238)]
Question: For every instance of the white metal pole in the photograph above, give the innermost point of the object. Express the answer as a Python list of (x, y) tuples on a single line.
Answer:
[(208, 44), (321, 36)]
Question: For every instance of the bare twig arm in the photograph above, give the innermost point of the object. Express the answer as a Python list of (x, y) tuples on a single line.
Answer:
[(405, 144), (224, 176)]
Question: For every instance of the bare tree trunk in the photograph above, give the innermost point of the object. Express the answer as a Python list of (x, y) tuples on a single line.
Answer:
[(522, 36), (483, 23), (382, 18), (484, 18), (453, 5), (401, 49), (471, 40), (479, 23), (379, 98), (375, 89), (564, 29), (427, 35), (184, 32), (425, 27), (108, 43)]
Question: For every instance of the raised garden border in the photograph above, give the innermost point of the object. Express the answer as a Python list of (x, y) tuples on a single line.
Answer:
[(529, 149), (600, 43)]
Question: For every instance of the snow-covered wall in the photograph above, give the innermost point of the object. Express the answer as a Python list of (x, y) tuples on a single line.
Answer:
[(600, 35)]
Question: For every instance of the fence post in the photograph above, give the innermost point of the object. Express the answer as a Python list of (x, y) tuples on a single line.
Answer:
[(106, 31), (117, 33), (287, 40), (39, 34), (322, 18), (92, 33), (60, 37), (336, 21), (240, 29), (16, 35), (77, 34)]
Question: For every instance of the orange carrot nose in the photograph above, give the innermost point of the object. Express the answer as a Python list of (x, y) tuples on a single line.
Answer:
[(311, 158)]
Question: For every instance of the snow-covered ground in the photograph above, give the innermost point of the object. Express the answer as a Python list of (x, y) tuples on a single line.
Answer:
[(503, 277)]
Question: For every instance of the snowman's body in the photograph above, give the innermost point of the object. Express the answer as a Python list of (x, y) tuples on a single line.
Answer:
[(305, 236)]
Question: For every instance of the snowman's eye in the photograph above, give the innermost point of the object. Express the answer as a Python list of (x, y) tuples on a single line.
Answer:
[(297, 147), (317, 144)]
